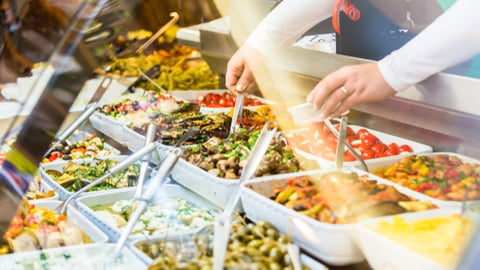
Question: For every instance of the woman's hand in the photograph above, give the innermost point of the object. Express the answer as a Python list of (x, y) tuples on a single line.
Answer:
[(239, 77), (347, 87)]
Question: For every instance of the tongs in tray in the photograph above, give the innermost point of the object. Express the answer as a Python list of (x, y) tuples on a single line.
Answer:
[(237, 112), (224, 220), (155, 183)]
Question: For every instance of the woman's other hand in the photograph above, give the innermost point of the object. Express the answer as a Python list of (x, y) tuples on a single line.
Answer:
[(347, 87)]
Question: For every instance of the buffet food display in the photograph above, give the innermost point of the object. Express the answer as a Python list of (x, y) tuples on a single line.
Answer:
[(322, 209)]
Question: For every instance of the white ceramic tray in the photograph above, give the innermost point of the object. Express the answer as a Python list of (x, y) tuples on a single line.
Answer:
[(215, 189), (384, 137), (306, 260), (387, 162), (108, 197), (58, 166), (73, 215), (192, 95), (383, 253), (81, 135), (91, 257), (108, 126), (333, 243)]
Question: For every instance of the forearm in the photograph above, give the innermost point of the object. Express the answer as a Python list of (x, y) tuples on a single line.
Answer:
[(451, 39), (287, 22)]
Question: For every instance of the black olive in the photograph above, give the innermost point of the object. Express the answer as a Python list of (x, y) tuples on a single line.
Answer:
[(153, 116), (67, 157), (299, 207), (124, 112), (153, 100), (135, 103)]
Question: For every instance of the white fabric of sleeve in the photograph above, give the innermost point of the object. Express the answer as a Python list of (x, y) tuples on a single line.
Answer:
[(287, 22), (451, 39)]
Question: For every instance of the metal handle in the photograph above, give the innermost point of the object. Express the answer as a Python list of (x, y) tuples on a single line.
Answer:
[(149, 137), (237, 111), (341, 143), (164, 28), (352, 150)]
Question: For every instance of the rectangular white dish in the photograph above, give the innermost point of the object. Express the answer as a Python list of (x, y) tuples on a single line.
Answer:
[(92, 257), (58, 166), (332, 243), (108, 197), (389, 161), (108, 126), (306, 260), (382, 253), (192, 96), (384, 137)]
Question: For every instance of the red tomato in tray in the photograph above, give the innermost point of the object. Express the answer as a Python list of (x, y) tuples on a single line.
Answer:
[(225, 100), (318, 140)]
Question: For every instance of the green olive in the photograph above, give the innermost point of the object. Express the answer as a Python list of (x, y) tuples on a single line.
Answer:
[(259, 266), (266, 224), (250, 227), (284, 239), (241, 230), (255, 243), (286, 260), (265, 248), (275, 254), (258, 231), (253, 252), (275, 266), (272, 233)]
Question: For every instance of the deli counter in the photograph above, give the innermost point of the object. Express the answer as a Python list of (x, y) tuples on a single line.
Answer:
[(124, 147)]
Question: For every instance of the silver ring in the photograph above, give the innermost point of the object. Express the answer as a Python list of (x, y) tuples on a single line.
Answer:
[(345, 90)]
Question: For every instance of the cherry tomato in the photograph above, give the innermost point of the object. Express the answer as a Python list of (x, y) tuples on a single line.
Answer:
[(368, 154), (393, 147), (379, 148), (388, 153), (361, 133), (368, 141), (405, 149)]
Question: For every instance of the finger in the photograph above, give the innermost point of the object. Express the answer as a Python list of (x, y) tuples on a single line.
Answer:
[(332, 102), (325, 88), (244, 80), (231, 79), (346, 105)]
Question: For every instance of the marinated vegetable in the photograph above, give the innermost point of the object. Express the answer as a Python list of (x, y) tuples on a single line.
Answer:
[(318, 140), (163, 217), (339, 197), (226, 157), (442, 239), (443, 176), (74, 176), (40, 228), (251, 246), (92, 146), (141, 110)]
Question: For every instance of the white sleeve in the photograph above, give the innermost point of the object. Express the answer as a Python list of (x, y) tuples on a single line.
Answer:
[(451, 39), (287, 22)]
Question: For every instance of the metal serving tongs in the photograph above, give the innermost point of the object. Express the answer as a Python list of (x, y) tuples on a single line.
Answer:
[(112, 171), (164, 28), (145, 161), (155, 183), (224, 220), (89, 110), (342, 143), (237, 112)]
